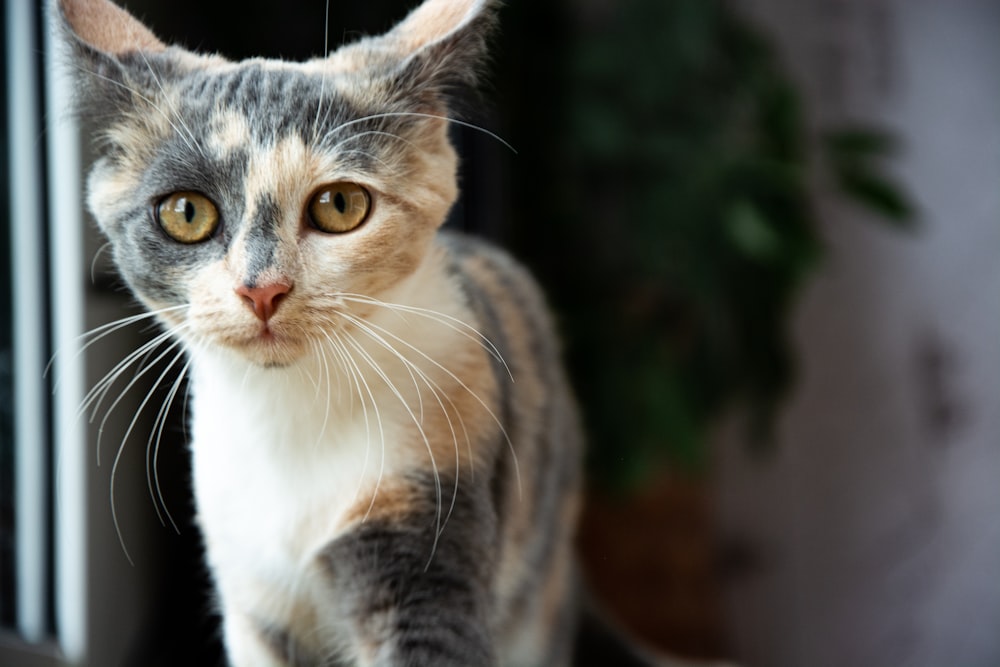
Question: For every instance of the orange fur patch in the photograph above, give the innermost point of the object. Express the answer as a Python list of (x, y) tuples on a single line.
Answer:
[(109, 28), (434, 20)]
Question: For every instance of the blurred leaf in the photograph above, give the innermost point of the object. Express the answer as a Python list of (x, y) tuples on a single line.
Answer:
[(782, 120), (854, 154), (751, 233), (858, 143), (878, 194)]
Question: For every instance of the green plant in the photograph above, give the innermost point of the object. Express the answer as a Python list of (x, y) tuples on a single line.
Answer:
[(685, 183)]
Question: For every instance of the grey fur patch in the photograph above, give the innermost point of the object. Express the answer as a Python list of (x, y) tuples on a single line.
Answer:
[(422, 596), (261, 239), (492, 329), (309, 104)]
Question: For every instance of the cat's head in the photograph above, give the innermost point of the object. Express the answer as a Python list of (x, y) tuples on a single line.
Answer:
[(244, 199)]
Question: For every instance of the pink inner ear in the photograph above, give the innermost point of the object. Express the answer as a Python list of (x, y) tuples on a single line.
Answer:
[(109, 28), (435, 20)]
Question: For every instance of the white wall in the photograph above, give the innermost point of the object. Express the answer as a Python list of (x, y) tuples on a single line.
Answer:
[(874, 531)]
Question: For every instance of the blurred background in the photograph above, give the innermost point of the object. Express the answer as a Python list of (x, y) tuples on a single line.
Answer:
[(770, 230)]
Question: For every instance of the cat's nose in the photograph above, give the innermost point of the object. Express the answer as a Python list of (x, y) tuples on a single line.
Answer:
[(263, 300)]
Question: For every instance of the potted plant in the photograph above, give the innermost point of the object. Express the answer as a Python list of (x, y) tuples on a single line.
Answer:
[(668, 207)]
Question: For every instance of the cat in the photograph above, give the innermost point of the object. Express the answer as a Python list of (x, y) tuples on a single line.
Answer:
[(386, 451)]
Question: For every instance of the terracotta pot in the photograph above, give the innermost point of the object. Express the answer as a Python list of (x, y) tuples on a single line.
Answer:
[(651, 559)]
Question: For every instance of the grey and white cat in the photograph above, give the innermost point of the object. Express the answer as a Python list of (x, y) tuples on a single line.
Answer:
[(386, 452)]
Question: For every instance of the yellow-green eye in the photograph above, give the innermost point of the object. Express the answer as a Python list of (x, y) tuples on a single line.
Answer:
[(187, 217), (339, 207)]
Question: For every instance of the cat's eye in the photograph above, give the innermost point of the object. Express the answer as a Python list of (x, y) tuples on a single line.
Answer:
[(187, 217), (339, 207)]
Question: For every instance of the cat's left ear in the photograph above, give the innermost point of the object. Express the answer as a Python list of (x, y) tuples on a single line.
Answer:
[(442, 46)]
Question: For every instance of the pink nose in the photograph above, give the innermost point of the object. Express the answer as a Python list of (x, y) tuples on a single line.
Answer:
[(264, 299)]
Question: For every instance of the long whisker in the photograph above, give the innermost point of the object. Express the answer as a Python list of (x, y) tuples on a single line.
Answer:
[(367, 155), (103, 330), (148, 101), (121, 396), (97, 333), (461, 383), (409, 368), (190, 140), (359, 379), (436, 392), (93, 261), (99, 391), (412, 369), (326, 31), (453, 323), (128, 432), (101, 387), (159, 425), (326, 54), (366, 356), (376, 133), (415, 114), (320, 352)]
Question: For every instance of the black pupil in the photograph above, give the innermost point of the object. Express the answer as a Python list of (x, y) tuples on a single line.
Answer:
[(189, 211), (340, 202)]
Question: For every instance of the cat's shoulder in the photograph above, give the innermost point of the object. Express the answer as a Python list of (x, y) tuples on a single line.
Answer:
[(496, 284), (469, 252)]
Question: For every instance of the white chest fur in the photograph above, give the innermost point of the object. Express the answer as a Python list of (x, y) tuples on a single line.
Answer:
[(288, 459), (278, 462)]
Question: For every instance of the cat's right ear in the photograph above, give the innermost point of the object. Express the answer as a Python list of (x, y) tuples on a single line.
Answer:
[(103, 41), (102, 26)]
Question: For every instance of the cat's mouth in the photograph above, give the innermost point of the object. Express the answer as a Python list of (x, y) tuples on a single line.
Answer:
[(271, 346)]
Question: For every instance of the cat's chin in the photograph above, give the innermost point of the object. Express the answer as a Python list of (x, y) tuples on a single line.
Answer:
[(270, 351)]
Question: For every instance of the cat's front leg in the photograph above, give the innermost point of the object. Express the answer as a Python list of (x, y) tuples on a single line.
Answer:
[(415, 586)]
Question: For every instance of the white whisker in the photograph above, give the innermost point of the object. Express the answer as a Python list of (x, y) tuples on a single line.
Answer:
[(320, 352), (93, 261), (436, 392), (377, 133), (128, 432), (108, 328), (453, 323), (326, 54), (414, 114), (148, 101), (367, 155), (189, 139), (359, 379), (366, 356), (124, 392), (461, 383), (406, 364), (159, 424), (99, 391)]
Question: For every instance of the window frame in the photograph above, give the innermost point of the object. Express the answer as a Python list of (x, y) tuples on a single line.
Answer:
[(50, 475)]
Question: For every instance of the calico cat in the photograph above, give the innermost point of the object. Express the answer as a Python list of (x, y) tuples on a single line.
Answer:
[(387, 457)]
